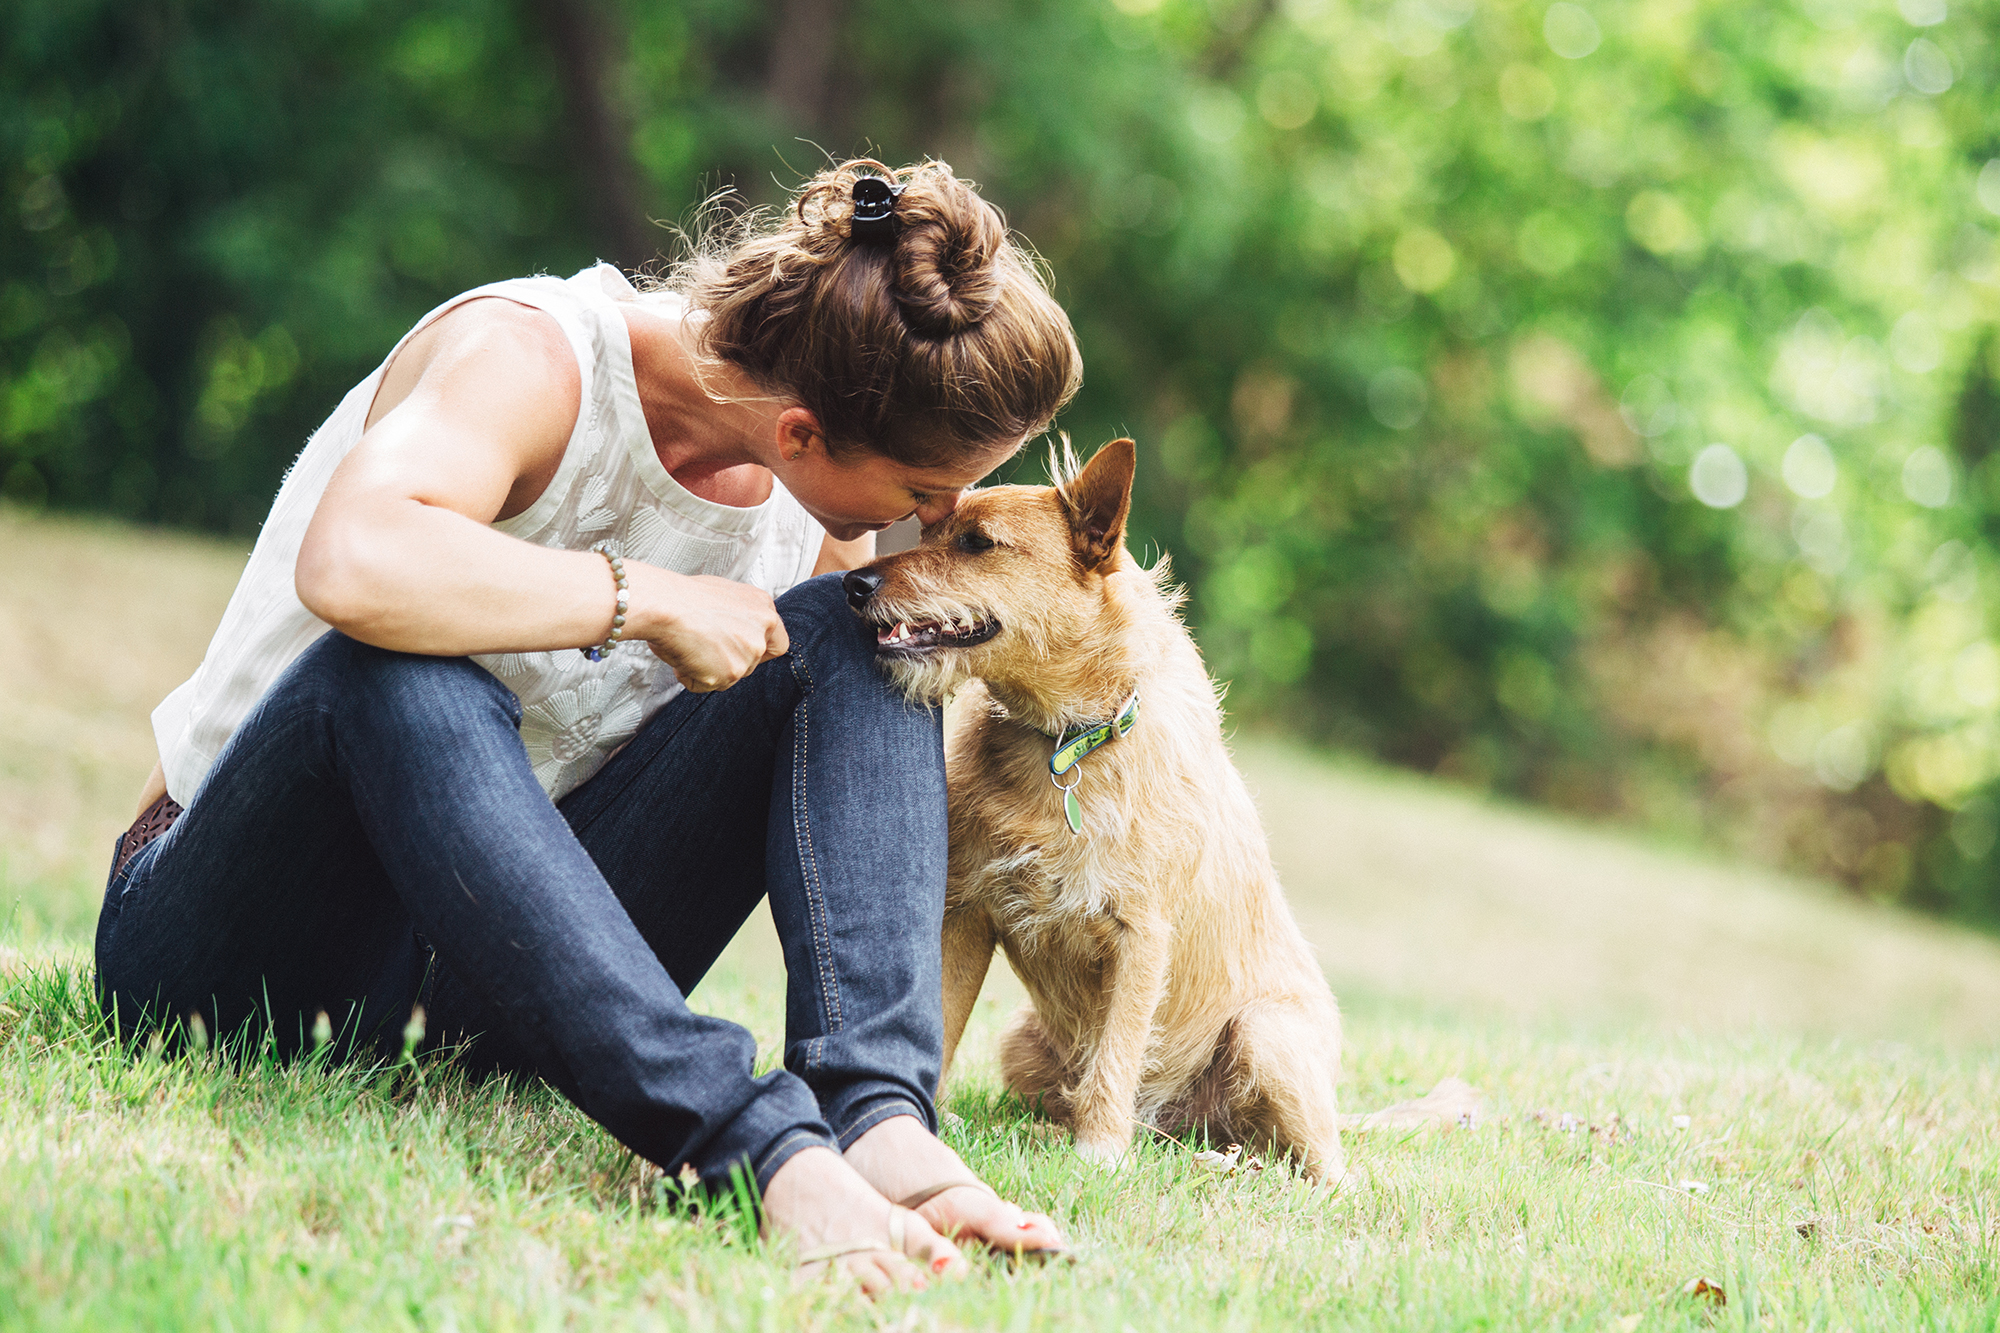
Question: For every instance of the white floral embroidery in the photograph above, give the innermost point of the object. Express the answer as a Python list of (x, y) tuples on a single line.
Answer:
[(572, 728), (593, 439), (643, 535), (653, 539), (591, 515), (511, 665)]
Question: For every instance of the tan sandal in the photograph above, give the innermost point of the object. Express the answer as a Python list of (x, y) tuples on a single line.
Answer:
[(925, 1195), (898, 1233)]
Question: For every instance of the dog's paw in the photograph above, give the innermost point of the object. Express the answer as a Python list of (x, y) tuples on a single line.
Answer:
[(1345, 1181), (1105, 1152)]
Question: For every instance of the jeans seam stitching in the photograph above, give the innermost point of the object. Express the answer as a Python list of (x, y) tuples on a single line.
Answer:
[(778, 1147), (815, 897), (887, 1110)]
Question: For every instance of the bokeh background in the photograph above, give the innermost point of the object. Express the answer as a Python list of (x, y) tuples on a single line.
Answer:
[(1591, 403)]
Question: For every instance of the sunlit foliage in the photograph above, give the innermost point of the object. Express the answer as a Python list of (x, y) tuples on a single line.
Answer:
[(1591, 401)]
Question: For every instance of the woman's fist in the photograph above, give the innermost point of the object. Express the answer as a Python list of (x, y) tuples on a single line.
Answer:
[(711, 631)]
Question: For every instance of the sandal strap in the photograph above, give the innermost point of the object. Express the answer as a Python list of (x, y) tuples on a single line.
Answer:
[(929, 1192), (898, 1232), (822, 1253)]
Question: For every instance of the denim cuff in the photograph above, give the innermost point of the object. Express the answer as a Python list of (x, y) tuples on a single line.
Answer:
[(765, 1135), (869, 1110), (789, 1144)]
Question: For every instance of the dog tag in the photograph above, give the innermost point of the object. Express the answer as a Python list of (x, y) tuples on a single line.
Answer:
[(1073, 810)]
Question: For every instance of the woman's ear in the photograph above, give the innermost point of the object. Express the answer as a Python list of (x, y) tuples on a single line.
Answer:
[(798, 433)]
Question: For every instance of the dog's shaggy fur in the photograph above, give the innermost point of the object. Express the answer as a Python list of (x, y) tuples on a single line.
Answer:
[(1169, 984)]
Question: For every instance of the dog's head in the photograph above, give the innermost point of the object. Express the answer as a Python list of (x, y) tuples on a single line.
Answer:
[(1010, 589)]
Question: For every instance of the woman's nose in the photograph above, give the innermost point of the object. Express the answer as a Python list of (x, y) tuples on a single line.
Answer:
[(861, 584), (937, 507)]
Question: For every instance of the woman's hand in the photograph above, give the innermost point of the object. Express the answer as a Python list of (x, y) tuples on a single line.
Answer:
[(711, 631)]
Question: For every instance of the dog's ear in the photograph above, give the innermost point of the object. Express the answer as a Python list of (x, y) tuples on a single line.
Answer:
[(1098, 499)]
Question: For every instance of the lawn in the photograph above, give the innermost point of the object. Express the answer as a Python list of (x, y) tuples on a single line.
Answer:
[(1692, 1072)]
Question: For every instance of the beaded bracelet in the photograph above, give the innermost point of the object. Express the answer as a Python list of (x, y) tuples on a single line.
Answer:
[(617, 617)]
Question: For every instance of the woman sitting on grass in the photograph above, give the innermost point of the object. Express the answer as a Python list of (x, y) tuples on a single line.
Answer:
[(504, 729)]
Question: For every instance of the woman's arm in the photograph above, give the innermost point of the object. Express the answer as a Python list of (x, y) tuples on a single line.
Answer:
[(399, 553), (155, 788)]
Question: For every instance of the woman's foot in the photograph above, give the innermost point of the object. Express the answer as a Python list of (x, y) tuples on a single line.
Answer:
[(823, 1204), (901, 1158)]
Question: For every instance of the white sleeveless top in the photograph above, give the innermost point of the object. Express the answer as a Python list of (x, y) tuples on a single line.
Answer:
[(610, 487)]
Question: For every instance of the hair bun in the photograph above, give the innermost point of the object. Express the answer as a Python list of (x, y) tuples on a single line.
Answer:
[(931, 345), (944, 275)]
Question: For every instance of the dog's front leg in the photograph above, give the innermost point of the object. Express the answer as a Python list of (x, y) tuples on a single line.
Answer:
[(1135, 979), (968, 953)]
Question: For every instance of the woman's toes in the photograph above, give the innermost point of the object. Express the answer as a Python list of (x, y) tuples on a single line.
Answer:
[(874, 1271), (1039, 1232), (1032, 1231), (962, 1212), (927, 1246), (976, 1214), (872, 1278), (877, 1273), (900, 1273)]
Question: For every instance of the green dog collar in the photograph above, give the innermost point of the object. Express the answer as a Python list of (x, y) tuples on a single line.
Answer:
[(1079, 741), (1075, 744)]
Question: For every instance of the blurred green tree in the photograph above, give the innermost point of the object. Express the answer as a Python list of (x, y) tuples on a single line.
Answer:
[(1592, 402)]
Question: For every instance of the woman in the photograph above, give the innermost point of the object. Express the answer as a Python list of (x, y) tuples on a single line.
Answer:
[(446, 813)]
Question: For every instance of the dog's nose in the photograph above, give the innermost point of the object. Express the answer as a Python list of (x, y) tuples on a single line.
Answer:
[(861, 584)]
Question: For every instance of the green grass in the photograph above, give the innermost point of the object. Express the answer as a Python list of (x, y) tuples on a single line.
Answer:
[(1845, 1186), (1835, 1060)]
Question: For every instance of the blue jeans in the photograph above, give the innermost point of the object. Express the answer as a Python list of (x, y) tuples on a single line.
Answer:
[(373, 838)]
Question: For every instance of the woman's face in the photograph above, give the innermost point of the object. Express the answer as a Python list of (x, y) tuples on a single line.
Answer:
[(866, 492)]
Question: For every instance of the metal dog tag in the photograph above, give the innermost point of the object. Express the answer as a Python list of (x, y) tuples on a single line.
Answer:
[(1073, 810)]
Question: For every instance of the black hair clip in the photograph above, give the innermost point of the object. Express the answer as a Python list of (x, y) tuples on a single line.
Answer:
[(874, 209)]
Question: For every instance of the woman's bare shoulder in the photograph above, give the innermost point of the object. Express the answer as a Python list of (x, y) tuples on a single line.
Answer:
[(474, 413), (487, 342)]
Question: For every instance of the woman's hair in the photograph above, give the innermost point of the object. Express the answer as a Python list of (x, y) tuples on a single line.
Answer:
[(923, 348)]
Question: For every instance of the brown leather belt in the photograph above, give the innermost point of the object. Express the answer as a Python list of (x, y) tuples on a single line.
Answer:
[(156, 819)]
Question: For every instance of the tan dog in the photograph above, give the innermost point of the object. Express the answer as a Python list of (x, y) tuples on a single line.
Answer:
[(1169, 984)]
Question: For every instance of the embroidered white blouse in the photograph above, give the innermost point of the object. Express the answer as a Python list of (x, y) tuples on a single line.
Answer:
[(610, 487)]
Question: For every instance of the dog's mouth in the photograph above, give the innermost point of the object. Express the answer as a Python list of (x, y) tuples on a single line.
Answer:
[(903, 638)]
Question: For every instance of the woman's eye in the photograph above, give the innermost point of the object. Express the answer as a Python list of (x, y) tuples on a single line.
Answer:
[(974, 542)]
